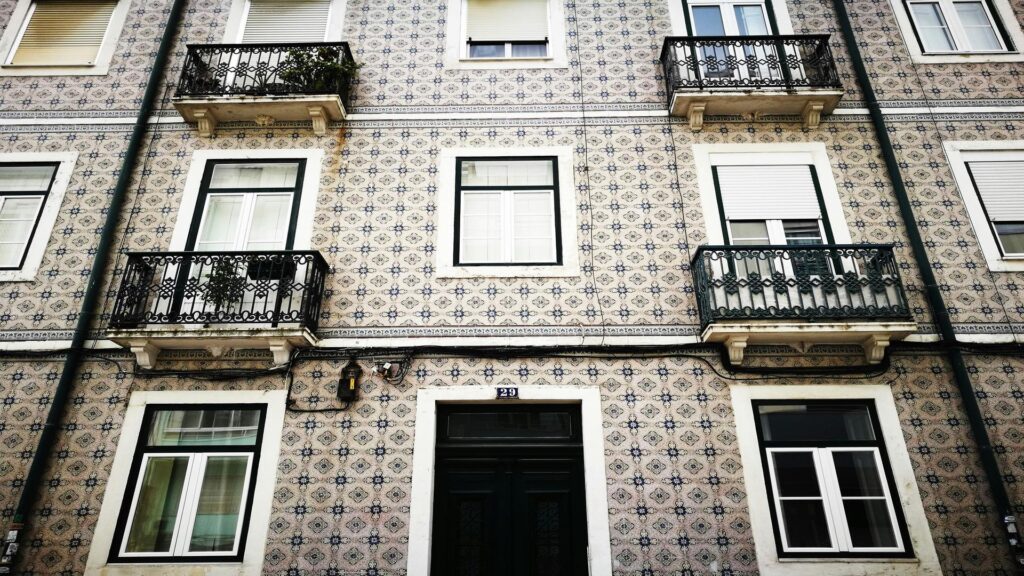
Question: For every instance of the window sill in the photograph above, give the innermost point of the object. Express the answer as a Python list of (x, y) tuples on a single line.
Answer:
[(175, 569), (55, 70), (848, 560), (507, 63), (966, 57), (17, 275), (499, 271)]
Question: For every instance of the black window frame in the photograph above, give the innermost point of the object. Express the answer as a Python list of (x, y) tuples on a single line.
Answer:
[(878, 443), (142, 448), (42, 205), (508, 52), (555, 187)]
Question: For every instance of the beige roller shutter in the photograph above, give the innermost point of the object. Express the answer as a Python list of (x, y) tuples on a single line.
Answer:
[(277, 21), (507, 20), (63, 32), (1001, 187), (768, 192)]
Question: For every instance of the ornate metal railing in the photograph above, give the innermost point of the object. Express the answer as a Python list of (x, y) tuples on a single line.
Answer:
[(246, 288), (748, 62), (266, 70), (831, 282)]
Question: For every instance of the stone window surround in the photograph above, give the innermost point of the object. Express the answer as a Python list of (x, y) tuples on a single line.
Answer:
[(956, 154), (103, 57), (446, 216), (47, 214), (925, 561), (263, 497), (455, 55)]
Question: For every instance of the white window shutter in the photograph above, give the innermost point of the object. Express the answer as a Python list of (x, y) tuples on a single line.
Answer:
[(507, 20), (279, 21), (1001, 187), (768, 192), (64, 32)]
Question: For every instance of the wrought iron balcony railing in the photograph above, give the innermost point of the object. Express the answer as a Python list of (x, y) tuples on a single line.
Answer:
[(266, 70), (702, 63), (227, 288), (824, 282)]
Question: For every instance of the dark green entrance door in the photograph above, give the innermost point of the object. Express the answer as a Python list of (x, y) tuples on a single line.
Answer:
[(508, 492)]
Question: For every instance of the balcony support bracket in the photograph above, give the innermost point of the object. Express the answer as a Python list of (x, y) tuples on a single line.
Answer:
[(319, 116), (206, 123), (735, 346), (282, 350), (812, 114), (695, 114), (874, 347), (145, 353)]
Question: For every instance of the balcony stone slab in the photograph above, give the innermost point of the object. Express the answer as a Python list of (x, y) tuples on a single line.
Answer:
[(873, 337), (208, 112), (146, 343)]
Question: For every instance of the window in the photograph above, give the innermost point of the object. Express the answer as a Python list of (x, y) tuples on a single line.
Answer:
[(507, 211), (23, 191), (830, 486), (956, 26), (191, 483), (728, 18), (506, 28), (279, 21), (989, 175), (61, 36)]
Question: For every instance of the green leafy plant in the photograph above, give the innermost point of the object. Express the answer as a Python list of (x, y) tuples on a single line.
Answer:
[(320, 69), (225, 285)]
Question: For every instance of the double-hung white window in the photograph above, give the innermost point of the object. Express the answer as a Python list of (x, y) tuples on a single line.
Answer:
[(507, 211), (830, 486), (190, 485), (955, 26), (506, 28)]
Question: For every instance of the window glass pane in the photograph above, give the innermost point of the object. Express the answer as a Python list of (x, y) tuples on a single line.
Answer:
[(748, 232), (156, 509), (26, 178), (857, 473), (204, 427), (221, 222), (975, 21), (219, 508), (480, 50), (270, 175), (819, 422), (795, 474), (487, 425), (707, 21), (931, 27), (481, 227), (870, 523), (1011, 236), (802, 232), (533, 227), (270, 219), (750, 20), (805, 524), (508, 173), (530, 50), (17, 218)]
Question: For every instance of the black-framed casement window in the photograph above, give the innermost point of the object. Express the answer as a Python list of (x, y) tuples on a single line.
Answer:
[(998, 185), (830, 485), (247, 205), (956, 26), (507, 211), (506, 28), (24, 188), (190, 488)]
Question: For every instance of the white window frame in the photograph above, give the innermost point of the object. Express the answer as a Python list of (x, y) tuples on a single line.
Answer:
[(925, 561), (421, 508), (446, 216), (835, 514), (262, 499), (48, 212), (307, 201), (19, 21), (959, 153), (457, 45), (778, 9), (240, 8), (705, 156), (1004, 14), (953, 25)]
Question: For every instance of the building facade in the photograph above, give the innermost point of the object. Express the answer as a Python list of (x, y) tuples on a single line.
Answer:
[(376, 287)]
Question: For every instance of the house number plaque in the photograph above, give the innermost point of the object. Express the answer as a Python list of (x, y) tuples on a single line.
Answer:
[(507, 393)]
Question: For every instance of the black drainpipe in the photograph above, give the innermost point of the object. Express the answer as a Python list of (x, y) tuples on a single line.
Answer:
[(104, 250), (934, 295)]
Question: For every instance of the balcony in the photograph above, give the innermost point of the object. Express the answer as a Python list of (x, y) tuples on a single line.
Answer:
[(750, 76), (265, 83), (801, 296), (218, 301)]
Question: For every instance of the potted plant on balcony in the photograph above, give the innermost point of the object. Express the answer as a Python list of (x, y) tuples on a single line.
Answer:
[(225, 286), (317, 70)]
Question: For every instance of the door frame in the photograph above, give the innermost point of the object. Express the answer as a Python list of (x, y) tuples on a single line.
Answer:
[(421, 519), (778, 17)]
